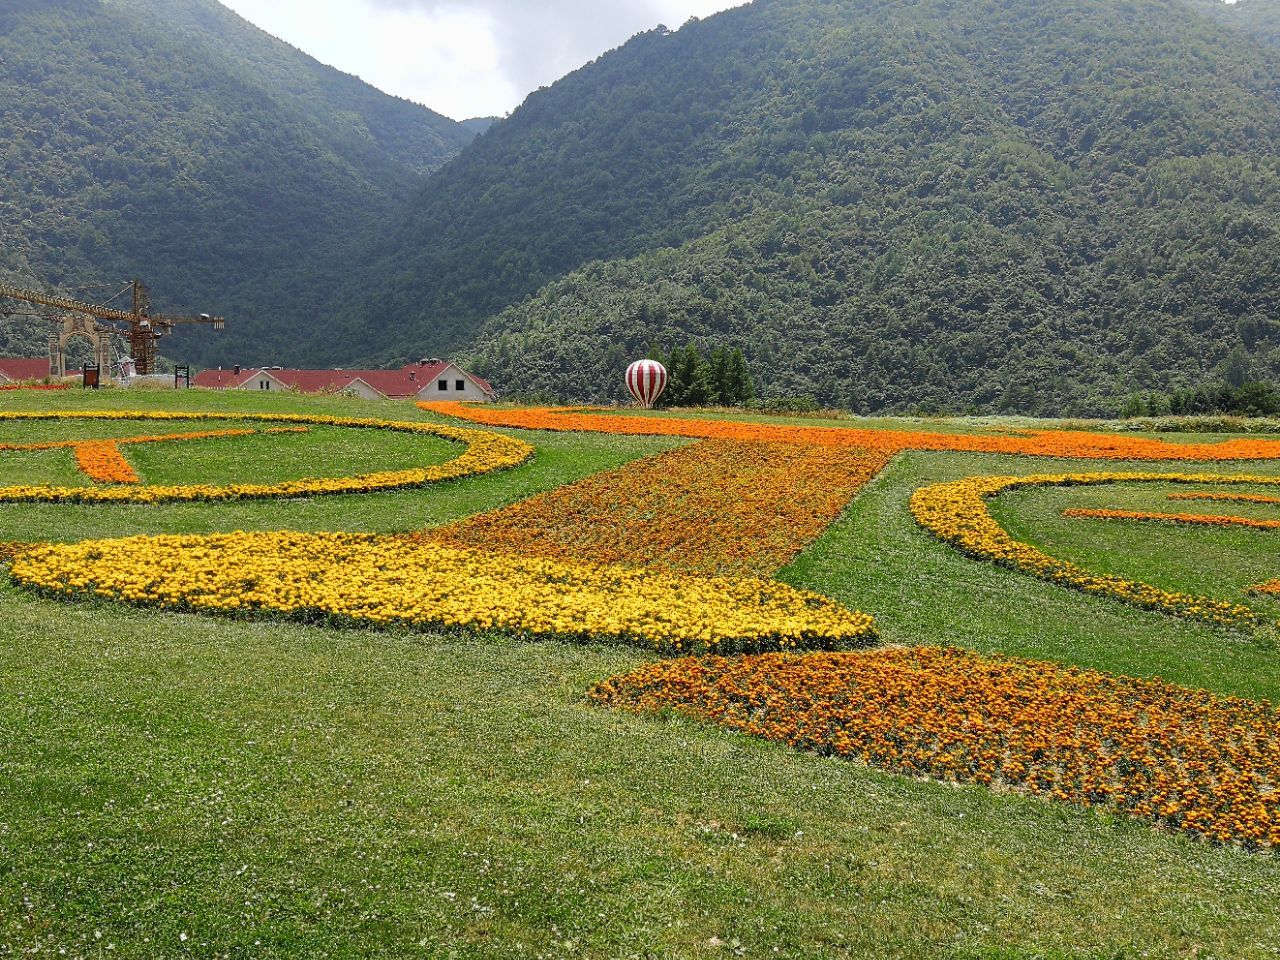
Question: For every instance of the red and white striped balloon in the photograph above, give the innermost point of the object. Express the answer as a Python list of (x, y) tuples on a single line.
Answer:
[(646, 379)]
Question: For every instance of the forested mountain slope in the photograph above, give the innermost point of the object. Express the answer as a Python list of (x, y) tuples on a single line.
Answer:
[(173, 141), (987, 204)]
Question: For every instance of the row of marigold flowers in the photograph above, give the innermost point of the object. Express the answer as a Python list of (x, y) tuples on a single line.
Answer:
[(1073, 444), (1185, 758), (379, 580)]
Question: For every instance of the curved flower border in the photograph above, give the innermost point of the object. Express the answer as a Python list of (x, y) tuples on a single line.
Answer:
[(957, 513), (485, 452)]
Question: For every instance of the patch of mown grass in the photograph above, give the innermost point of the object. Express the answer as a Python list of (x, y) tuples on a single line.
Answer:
[(282, 791)]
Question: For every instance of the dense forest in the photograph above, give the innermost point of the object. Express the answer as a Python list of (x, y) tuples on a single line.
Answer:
[(987, 205), (950, 204), (172, 141)]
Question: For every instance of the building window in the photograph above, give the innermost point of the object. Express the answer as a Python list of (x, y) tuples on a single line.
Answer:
[(459, 384), (442, 385), (264, 385)]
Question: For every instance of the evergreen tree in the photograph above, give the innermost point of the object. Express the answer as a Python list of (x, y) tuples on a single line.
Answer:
[(738, 386), (698, 393), (720, 392)]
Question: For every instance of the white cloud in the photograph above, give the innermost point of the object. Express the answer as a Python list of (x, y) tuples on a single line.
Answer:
[(464, 57)]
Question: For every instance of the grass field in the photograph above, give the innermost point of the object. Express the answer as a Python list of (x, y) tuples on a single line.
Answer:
[(176, 785)]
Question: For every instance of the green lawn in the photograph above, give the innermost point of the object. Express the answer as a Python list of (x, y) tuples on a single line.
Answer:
[(176, 785)]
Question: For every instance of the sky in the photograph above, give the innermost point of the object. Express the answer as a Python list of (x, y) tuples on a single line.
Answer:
[(464, 58)]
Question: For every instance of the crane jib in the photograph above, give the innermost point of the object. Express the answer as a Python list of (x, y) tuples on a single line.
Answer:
[(145, 328)]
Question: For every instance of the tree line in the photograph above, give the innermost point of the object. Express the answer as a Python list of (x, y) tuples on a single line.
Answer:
[(694, 380)]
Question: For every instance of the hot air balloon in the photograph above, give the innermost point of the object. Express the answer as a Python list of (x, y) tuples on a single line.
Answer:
[(646, 379)]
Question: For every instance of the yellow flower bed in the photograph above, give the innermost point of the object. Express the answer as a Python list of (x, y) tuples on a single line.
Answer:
[(957, 513), (485, 452), (387, 580)]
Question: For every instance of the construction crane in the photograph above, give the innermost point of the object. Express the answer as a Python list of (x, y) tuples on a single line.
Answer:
[(144, 328)]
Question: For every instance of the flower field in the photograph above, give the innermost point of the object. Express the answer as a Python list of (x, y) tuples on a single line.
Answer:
[(313, 700), (719, 507), (1185, 758), (1037, 443), (381, 581)]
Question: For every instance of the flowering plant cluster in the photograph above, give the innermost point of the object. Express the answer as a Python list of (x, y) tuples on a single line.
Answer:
[(102, 461), (34, 386), (396, 581), (1188, 759), (1191, 519), (485, 452), (719, 507), (957, 513)]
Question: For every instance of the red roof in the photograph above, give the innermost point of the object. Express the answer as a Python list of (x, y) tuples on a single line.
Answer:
[(223, 379), (393, 384), (23, 369)]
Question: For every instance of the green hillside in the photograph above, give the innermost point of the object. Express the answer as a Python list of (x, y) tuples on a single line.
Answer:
[(972, 203), (171, 140)]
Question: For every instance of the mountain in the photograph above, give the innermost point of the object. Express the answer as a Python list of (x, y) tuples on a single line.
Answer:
[(172, 141), (479, 125), (961, 204)]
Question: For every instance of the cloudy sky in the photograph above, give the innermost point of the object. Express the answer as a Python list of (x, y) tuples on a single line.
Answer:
[(464, 58)]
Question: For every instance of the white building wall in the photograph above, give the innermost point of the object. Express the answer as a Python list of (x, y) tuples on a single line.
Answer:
[(451, 378), (359, 388)]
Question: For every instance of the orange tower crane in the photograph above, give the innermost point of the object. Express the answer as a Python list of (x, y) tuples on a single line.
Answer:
[(144, 328)]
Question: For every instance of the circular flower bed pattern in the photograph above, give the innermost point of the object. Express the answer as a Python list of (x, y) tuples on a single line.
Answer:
[(485, 451)]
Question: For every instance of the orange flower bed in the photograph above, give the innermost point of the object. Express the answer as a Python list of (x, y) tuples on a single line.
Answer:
[(103, 462), (716, 508), (1040, 443), (1229, 497), (34, 386), (1184, 758), (1193, 519), (1271, 586)]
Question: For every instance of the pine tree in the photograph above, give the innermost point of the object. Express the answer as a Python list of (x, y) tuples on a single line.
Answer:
[(739, 388), (720, 393), (699, 390)]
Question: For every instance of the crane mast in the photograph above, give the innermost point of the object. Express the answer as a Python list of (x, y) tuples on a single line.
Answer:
[(144, 328)]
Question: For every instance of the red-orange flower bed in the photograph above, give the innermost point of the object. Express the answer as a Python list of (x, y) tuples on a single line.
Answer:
[(1191, 519), (1270, 587), (34, 386), (102, 462), (1042, 443), (716, 508), (1185, 758)]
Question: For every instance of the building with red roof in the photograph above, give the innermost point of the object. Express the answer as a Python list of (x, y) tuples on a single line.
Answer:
[(425, 380), (15, 369)]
